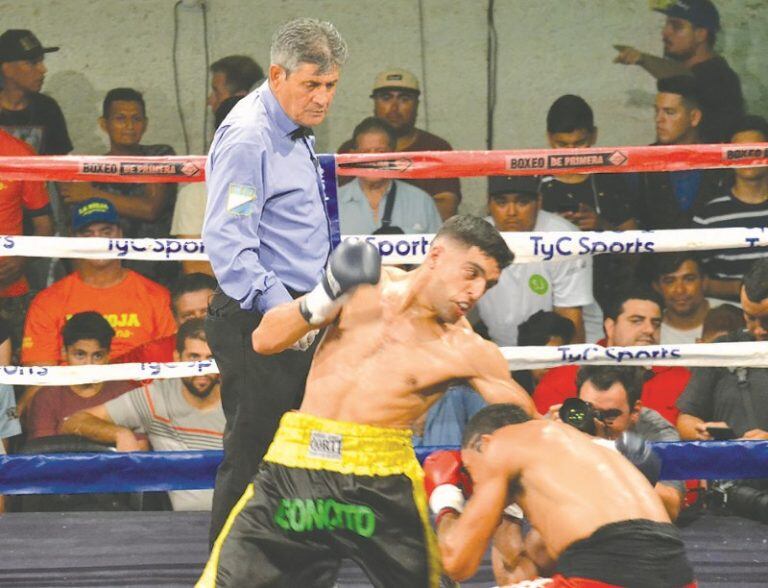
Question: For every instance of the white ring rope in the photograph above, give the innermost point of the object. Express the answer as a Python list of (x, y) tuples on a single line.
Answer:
[(411, 249), (730, 355)]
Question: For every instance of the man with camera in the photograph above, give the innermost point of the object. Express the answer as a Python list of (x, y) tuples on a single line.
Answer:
[(609, 404)]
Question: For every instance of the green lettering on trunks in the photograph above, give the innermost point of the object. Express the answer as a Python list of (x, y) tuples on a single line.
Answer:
[(302, 515)]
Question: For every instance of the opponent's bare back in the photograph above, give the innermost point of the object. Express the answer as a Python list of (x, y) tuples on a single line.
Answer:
[(567, 485), (385, 360)]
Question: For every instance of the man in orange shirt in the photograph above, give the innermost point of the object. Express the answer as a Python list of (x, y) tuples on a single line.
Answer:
[(16, 198), (137, 308), (633, 319)]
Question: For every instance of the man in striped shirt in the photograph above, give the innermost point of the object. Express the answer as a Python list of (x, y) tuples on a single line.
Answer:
[(176, 414), (743, 202)]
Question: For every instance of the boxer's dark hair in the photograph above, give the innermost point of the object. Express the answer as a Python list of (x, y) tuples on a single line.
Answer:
[(755, 281), (603, 377), (492, 417), (88, 326), (192, 329), (473, 231)]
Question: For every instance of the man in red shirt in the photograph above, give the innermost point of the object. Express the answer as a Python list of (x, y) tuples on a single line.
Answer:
[(16, 199), (633, 319), (190, 295)]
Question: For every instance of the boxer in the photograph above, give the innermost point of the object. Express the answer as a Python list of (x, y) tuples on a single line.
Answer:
[(340, 479), (599, 517)]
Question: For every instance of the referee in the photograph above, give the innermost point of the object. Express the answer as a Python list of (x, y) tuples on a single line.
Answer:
[(267, 233)]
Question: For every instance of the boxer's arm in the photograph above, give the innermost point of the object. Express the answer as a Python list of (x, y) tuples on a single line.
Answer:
[(493, 381), (284, 325), (463, 539)]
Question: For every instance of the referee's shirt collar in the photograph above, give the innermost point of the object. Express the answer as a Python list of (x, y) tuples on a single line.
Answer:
[(283, 122)]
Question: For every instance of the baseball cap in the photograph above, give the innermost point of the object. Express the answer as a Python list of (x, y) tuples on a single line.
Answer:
[(513, 185), (396, 79), (20, 44), (700, 13), (94, 210)]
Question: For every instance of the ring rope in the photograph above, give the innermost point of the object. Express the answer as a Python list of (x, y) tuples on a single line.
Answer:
[(739, 355), (77, 473), (417, 164), (529, 247)]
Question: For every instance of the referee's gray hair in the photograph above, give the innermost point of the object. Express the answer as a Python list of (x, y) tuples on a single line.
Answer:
[(308, 40)]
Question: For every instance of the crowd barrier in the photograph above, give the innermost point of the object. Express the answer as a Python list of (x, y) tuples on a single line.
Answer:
[(78, 473)]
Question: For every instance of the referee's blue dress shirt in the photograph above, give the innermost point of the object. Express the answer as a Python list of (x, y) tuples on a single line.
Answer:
[(266, 226)]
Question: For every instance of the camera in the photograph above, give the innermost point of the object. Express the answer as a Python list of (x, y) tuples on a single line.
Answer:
[(580, 414), (747, 498)]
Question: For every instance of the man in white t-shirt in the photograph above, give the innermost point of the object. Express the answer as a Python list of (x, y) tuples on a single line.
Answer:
[(679, 279), (177, 414), (523, 289)]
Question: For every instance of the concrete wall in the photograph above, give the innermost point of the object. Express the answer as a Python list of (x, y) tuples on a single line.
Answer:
[(545, 48)]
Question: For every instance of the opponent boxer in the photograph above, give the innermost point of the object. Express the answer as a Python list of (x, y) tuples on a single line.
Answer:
[(600, 519), (340, 479)]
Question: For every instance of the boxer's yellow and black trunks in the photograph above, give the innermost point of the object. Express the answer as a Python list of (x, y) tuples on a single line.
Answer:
[(326, 491)]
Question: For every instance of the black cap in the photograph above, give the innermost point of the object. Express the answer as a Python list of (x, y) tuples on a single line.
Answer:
[(20, 44), (513, 185), (700, 13)]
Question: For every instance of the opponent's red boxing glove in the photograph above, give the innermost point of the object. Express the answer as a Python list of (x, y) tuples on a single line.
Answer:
[(443, 479)]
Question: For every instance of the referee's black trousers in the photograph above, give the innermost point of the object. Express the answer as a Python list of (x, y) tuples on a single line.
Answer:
[(255, 392)]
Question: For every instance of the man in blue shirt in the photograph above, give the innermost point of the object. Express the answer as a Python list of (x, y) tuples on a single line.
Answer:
[(267, 234)]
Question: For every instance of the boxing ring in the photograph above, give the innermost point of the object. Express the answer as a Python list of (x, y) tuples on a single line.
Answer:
[(142, 548)]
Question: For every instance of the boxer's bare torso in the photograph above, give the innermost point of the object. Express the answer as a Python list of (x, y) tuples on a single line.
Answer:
[(386, 359), (567, 485)]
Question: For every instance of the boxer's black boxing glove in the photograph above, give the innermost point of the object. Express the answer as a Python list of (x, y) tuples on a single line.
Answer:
[(641, 454), (350, 265)]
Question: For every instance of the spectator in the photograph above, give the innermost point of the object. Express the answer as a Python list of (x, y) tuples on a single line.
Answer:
[(190, 296), (396, 101), (365, 202), (678, 278), (25, 113), (37, 120), (189, 211), (233, 75), (615, 392), (741, 202), (720, 321), (9, 423), (666, 200), (735, 396), (541, 328), (136, 307), (689, 36), (87, 339), (633, 319), (590, 201), (145, 209), (19, 198), (563, 286), (177, 414), (593, 202)]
